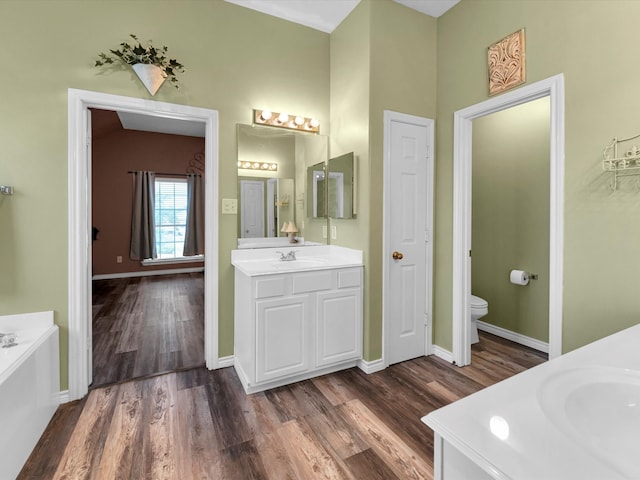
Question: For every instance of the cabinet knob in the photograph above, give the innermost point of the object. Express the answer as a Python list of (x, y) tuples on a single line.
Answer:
[(397, 255)]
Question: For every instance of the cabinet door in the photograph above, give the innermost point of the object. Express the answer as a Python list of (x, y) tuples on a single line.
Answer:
[(339, 326), (282, 337)]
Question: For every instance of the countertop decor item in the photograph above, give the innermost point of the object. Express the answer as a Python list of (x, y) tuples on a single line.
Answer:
[(151, 64)]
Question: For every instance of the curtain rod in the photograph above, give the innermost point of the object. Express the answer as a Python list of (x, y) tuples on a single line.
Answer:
[(167, 174)]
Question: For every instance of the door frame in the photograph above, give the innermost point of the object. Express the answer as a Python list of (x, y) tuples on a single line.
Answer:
[(389, 118), (79, 215), (552, 87)]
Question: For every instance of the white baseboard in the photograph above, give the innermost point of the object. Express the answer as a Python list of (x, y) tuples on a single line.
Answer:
[(63, 397), (440, 352), (224, 362), (372, 366), (513, 336), (107, 276)]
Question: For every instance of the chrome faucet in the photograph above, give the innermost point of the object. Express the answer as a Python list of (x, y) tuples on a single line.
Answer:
[(289, 257)]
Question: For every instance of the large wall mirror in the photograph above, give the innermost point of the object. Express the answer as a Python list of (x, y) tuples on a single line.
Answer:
[(273, 166)]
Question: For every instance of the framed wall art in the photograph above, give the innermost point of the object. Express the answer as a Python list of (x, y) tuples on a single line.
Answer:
[(506, 61)]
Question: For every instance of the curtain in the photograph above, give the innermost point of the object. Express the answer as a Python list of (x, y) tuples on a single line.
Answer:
[(143, 235), (194, 235)]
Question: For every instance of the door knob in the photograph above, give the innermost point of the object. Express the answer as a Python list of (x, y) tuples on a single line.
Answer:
[(397, 255)]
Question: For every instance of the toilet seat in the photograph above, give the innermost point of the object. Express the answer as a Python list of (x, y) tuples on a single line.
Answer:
[(477, 302)]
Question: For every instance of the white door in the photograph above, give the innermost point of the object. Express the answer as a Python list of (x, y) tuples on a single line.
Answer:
[(252, 214), (408, 237)]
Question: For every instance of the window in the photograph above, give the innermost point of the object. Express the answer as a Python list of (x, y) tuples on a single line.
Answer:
[(170, 216)]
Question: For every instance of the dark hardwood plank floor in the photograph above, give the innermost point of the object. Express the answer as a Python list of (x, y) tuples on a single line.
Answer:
[(199, 424), (147, 325)]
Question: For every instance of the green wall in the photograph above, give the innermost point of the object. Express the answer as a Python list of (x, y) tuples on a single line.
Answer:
[(592, 43), (510, 216), (350, 66), (236, 60), (382, 58)]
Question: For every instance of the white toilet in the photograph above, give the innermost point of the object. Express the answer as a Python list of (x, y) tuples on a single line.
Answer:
[(479, 308)]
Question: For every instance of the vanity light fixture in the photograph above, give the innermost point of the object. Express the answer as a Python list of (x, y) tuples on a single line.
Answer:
[(264, 166), (284, 120)]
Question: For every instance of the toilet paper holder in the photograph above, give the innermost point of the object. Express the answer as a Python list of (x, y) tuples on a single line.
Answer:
[(521, 277)]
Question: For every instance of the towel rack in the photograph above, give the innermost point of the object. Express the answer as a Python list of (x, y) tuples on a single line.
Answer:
[(625, 165)]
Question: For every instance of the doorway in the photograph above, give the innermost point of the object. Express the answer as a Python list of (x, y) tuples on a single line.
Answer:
[(510, 222), (148, 316), (79, 251), (407, 240), (554, 89)]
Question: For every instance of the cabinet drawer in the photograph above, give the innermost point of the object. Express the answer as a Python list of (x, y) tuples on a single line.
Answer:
[(270, 287), (349, 278), (312, 281)]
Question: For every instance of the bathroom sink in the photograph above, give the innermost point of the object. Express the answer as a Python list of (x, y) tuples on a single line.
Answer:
[(299, 264), (599, 409)]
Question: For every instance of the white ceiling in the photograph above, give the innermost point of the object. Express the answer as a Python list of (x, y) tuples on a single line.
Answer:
[(326, 15), (149, 123)]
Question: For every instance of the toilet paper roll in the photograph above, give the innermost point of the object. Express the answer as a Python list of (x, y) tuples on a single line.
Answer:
[(519, 277)]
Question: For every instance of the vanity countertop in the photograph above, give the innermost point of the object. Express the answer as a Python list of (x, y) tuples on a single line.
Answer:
[(266, 261), (531, 426)]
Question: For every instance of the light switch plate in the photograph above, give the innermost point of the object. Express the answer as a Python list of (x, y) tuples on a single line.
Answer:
[(334, 232), (229, 206), (324, 231)]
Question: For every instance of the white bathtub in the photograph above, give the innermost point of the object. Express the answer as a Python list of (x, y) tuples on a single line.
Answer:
[(29, 386)]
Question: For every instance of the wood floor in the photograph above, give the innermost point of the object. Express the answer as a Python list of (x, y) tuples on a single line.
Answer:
[(147, 325), (199, 424)]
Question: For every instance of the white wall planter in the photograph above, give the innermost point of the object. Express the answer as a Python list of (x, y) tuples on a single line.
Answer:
[(150, 75)]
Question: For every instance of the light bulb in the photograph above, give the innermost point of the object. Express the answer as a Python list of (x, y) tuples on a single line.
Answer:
[(266, 115), (283, 117), (314, 123), (299, 120), (256, 165)]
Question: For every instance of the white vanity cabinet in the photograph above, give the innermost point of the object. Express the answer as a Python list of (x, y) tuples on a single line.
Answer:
[(295, 325)]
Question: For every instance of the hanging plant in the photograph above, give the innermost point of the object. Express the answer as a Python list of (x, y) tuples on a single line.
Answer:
[(137, 55)]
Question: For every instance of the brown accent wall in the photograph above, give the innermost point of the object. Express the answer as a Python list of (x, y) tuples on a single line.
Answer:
[(115, 152)]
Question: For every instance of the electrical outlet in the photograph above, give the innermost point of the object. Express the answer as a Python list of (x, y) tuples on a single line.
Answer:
[(334, 232), (229, 206), (119, 259), (324, 231)]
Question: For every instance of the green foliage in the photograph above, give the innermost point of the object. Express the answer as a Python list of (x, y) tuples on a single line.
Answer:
[(139, 53)]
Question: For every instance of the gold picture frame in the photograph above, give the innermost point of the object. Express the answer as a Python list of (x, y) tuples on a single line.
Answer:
[(506, 62)]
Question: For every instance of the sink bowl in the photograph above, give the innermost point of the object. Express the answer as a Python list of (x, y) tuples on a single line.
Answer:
[(599, 409)]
